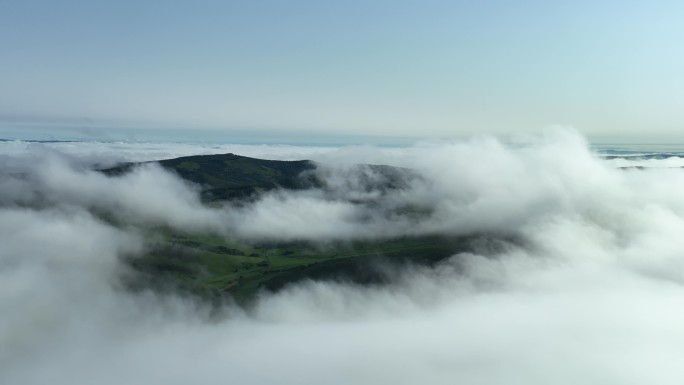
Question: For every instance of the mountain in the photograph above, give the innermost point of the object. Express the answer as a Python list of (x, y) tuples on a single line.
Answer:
[(214, 267), (230, 176)]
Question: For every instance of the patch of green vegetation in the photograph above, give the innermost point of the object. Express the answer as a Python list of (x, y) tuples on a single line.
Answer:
[(189, 166), (214, 267)]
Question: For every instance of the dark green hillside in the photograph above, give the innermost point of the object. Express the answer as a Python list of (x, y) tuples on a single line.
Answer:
[(230, 176), (233, 177)]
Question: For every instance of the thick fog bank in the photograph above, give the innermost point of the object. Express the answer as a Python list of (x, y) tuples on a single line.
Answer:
[(592, 294)]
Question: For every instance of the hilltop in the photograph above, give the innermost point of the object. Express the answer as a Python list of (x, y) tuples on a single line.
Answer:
[(230, 176)]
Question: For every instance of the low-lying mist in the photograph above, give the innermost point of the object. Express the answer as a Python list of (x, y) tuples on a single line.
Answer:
[(592, 291)]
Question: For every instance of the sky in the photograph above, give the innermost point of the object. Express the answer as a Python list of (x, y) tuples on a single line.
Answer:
[(303, 69)]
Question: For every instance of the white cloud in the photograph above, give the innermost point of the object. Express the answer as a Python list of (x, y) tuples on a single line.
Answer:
[(590, 293)]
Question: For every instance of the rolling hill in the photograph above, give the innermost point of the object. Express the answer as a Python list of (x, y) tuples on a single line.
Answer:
[(215, 267)]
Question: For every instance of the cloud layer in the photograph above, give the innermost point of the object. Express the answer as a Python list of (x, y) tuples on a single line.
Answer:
[(592, 293)]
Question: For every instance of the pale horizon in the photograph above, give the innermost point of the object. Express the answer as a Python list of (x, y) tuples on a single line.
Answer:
[(383, 69)]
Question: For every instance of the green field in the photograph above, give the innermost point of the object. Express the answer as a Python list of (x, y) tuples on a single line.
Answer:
[(213, 267)]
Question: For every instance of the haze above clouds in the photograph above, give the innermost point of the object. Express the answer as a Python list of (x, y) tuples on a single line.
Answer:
[(311, 68), (587, 290)]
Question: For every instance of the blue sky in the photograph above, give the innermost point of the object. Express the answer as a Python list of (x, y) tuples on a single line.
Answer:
[(612, 69)]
